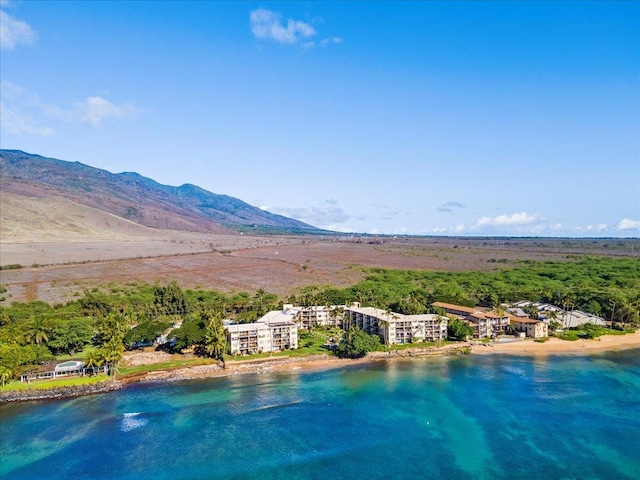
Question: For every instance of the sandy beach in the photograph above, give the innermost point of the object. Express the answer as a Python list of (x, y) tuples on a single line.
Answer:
[(555, 346)]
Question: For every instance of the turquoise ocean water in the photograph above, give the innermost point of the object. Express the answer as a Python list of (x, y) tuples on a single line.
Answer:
[(479, 417)]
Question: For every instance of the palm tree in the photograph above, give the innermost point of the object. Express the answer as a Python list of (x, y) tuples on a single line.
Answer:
[(337, 313), (259, 300), (551, 315), (112, 353), (384, 323), (38, 330), (441, 318), (613, 303), (628, 313), (215, 340), (5, 374), (93, 359)]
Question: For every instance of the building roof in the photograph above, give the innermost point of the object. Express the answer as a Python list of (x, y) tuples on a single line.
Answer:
[(524, 320), (518, 312), (391, 317), (246, 327), (278, 316), (452, 306)]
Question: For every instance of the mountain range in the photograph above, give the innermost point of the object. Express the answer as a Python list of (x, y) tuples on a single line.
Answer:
[(133, 197)]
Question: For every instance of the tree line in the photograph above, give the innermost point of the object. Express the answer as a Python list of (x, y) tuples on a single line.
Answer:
[(104, 322)]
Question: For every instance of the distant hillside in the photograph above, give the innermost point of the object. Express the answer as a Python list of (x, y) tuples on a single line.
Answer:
[(136, 198)]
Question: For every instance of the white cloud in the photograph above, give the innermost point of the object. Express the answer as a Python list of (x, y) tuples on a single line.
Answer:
[(628, 224), (25, 112), (95, 110), (556, 226), (21, 110), (598, 228), (319, 216), (18, 124), (514, 219), (14, 32), (330, 40), (268, 25), (340, 228)]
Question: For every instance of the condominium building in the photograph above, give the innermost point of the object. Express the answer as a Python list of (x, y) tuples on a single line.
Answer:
[(530, 327), (248, 338), (317, 315), (485, 323), (274, 332), (397, 328)]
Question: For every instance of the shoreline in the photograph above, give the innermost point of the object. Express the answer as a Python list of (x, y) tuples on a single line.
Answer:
[(526, 347), (556, 346)]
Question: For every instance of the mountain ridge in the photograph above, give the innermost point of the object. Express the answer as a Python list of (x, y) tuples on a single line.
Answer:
[(137, 198)]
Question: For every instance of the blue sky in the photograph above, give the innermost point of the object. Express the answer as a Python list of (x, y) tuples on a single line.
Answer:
[(447, 118)]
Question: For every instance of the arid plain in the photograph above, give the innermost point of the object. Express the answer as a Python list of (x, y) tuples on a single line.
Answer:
[(58, 267)]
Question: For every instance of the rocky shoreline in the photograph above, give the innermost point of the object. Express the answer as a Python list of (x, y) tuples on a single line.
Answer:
[(316, 362), (240, 367), (56, 393)]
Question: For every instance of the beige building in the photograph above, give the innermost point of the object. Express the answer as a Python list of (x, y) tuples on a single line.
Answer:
[(532, 328), (397, 328), (485, 323)]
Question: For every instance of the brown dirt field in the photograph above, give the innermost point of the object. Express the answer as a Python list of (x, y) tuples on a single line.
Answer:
[(281, 265)]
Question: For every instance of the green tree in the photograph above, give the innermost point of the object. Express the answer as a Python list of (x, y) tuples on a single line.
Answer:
[(190, 333), (93, 359), (215, 339), (72, 335), (115, 324), (146, 331), (169, 300), (337, 315), (13, 356), (38, 330), (555, 325), (459, 329), (112, 352), (5, 374), (591, 330), (357, 343)]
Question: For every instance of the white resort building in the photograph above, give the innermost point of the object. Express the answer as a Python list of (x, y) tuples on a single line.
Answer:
[(318, 315), (397, 328), (274, 332)]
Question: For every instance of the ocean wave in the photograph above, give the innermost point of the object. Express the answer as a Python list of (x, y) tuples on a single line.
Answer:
[(131, 421)]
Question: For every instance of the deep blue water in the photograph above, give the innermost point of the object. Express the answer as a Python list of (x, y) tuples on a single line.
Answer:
[(465, 417)]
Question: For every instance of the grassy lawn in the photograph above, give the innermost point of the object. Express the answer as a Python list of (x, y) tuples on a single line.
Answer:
[(573, 335), (569, 336), (613, 331), (183, 362), (64, 382)]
